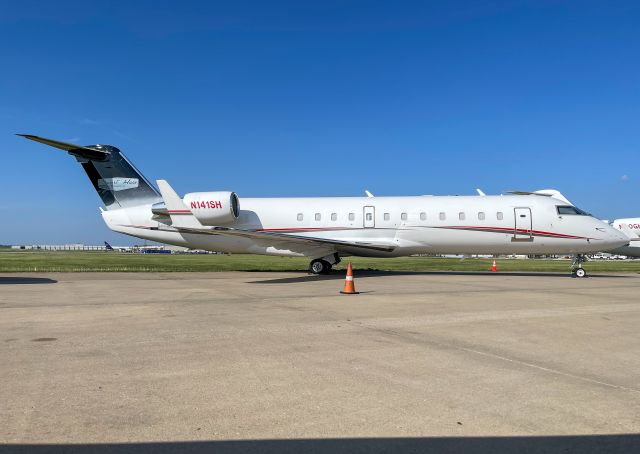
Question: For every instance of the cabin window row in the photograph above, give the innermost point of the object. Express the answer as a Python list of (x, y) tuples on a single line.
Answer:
[(404, 216), (334, 216)]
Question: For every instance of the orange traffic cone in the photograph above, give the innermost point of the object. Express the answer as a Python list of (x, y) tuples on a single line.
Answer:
[(349, 287), (494, 267)]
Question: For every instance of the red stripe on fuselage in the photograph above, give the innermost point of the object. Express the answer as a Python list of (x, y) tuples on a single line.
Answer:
[(510, 229), (298, 229)]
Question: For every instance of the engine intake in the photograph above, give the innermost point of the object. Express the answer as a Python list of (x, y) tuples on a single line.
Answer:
[(213, 208)]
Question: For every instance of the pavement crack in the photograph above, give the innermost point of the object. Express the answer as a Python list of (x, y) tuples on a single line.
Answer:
[(549, 370), (415, 339)]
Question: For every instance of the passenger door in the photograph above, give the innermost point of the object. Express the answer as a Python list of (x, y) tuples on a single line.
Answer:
[(369, 217), (523, 225)]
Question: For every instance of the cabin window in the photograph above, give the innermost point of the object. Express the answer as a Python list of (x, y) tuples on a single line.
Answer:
[(423, 216), (334, 217), (499, 216), (352, 216), (387, 217), (461, 216), (481, 215), (442, 216), (369, 217), (300, 216), (403, 216), (318, 216)]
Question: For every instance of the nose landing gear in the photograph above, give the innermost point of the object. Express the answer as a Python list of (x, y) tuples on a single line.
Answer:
[(576, 266)]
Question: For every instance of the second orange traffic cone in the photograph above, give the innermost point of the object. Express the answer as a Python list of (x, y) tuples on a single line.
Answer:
[(349, 286), (494, 267)]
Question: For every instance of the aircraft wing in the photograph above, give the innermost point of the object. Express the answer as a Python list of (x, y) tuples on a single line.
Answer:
[(291, 241)]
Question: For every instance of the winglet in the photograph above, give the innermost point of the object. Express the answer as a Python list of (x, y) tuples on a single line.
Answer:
[(180, 215)]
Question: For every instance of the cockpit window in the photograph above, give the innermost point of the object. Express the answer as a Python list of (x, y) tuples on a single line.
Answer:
[(570, 209)]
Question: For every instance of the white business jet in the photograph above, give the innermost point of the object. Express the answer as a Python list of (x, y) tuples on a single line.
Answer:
[(328, 228)]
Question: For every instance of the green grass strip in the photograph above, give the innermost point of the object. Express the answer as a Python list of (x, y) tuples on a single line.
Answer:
[(28, 261)]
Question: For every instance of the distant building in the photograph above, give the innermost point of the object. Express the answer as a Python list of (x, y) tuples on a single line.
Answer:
[(60, 247), (84, 247)]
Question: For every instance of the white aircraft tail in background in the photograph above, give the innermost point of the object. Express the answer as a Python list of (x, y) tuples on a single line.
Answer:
[(631, 228)]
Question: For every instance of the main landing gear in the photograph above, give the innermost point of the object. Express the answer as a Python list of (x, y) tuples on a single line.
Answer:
[(323, 265), (576, 266)]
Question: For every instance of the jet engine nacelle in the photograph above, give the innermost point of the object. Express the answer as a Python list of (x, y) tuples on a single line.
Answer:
[(213, 208)]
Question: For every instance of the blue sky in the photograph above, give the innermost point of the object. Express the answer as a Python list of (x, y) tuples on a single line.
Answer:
[(318, 98)]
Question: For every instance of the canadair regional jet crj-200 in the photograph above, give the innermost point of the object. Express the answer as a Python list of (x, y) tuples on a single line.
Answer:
[(328, 228)]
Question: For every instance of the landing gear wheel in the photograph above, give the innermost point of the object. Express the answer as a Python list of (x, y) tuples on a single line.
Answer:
[(580, 272), (576, 266), (319, 266)]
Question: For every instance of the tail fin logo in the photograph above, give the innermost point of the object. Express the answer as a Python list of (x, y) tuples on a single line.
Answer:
[(118, 184)]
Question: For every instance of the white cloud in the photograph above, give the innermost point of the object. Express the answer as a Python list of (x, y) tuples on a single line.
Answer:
[(624, 177), (91, 122)]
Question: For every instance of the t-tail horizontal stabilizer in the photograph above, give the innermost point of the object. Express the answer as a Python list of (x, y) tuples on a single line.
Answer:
[(116, 180), (180, 215)]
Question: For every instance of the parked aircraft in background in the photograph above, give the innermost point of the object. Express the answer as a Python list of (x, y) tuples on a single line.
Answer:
[(631, 228), (328, 228), (108, 247)]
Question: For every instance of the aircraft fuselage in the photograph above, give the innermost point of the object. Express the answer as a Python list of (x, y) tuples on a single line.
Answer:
[(519, 224)]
